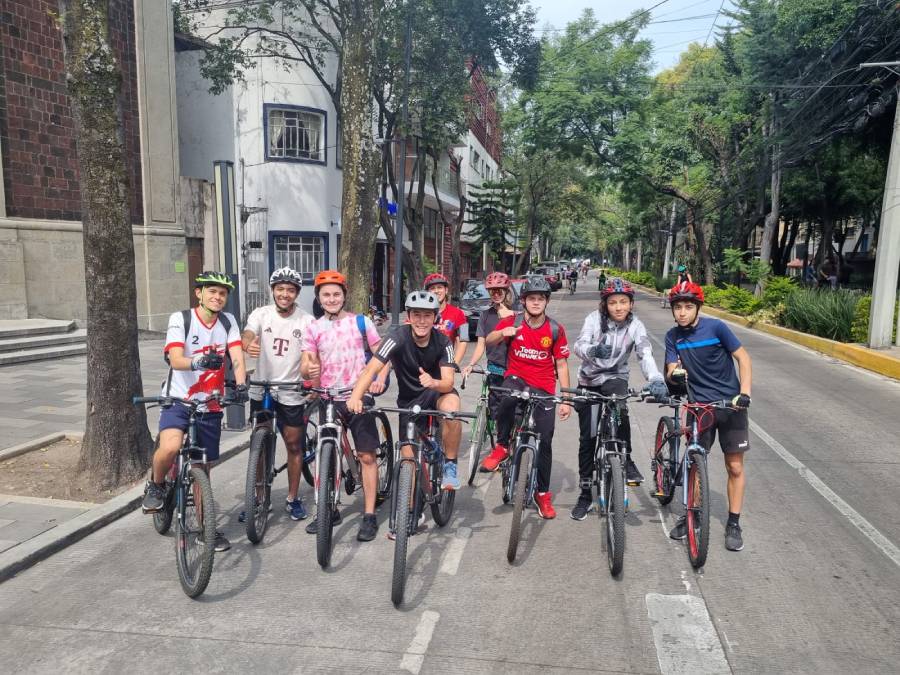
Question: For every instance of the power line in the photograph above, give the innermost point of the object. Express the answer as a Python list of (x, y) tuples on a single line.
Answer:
[(714, 22)]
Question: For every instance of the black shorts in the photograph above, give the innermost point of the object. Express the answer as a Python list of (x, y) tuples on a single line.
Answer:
[(288, 415), (362, 427), (427, 400), (734, 431)]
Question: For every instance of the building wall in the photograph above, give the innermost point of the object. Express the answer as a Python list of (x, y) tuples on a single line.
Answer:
[(37, 130)]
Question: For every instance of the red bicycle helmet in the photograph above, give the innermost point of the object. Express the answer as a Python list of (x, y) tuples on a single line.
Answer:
[(496, 280), (434, 280), (616, 285), (686, 290)]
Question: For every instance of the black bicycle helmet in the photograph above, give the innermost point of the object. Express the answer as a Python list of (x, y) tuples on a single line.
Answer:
[(536, 284)]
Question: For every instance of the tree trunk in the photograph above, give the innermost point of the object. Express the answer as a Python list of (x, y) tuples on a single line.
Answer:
[(361, 173), (117, 444), (770, 229), (695, 227)]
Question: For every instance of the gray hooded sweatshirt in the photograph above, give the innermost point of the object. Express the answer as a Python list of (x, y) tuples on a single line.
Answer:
[(625, 337)]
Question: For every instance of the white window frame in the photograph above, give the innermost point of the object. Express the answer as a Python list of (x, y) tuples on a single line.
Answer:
[(304, 129)]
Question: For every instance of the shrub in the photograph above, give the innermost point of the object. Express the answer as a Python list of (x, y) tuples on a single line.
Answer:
[(641, 278), (665, 283), (823, 312), (776, 291), (859, 331), (736, 299)]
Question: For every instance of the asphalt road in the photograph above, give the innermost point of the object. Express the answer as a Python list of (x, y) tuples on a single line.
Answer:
[(816, 589)]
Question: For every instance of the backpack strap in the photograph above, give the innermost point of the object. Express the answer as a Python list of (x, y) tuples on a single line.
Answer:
[(361, 324)]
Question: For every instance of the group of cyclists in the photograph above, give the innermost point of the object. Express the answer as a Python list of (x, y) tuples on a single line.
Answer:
[(528, 350)]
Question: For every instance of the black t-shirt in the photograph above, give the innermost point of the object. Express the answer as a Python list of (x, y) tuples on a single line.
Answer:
[(406, 357), (487, 321)]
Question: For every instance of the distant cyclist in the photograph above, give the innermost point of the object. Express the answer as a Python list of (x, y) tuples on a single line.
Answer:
[(684, 275), (449, 317), (196, 349)]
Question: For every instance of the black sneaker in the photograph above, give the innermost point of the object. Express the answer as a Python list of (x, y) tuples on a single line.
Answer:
[(312, 528), (680, 529), (583, 506), (154, 497), (368, 528), (733, 539), (632, 475), (221, 544)]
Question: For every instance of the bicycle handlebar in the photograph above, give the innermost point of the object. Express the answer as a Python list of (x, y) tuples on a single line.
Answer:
[(475, 369), (587, 394), (678, 401), (525, 395), (273, 383), (417, 411), (166, 401)]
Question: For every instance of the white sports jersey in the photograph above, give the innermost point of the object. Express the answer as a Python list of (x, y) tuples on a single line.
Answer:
[(279, 350), (200, 338)]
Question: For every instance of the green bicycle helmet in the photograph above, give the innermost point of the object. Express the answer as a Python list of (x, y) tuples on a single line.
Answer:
[(210, 278)]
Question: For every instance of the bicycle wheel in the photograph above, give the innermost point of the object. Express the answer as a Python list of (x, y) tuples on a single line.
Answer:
[(520, 476), (442, 506), (325, 506), (697, 513), (195, 533), (257, 486), (312, 440), (662, 460), (615, 514), (401, 529), (479, 429), (384, 457), (162, 519)]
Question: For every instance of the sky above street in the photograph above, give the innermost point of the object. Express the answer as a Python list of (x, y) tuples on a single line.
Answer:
[(675, 23)]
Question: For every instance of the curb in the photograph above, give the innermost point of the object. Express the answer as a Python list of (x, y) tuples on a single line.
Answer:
[(26, 554), (28, 446), (862, 357)]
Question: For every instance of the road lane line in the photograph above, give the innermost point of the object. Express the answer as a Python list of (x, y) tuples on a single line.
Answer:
[(415, 653), (685, 638), (454, 550), (856, 519)]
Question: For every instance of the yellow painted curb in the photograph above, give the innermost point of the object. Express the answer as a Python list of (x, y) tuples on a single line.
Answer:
[(870, 359)]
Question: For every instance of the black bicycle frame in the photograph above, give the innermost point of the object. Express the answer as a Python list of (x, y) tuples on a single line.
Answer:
[(433, 454)]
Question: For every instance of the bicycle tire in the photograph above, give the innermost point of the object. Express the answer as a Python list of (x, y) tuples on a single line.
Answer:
[(312, 440), (401, 529), (664, 480), (521, 474), (697, 514), (162, 519), (384, 457), (257, 488), (442, 506), (479, 427), (325, 503), (615, 514), (195, 571)]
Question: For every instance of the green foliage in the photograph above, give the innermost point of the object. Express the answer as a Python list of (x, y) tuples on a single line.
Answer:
[(859, 331), (641, 278), (733, 261), (823, 312), (665, 283), (732, 299), (776, 291)]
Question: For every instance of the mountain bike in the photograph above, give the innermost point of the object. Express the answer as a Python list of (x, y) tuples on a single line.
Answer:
[(572, 284), (610, 456), (519, 471), (483, 426), (261, 469), (337, 462), (418, 480), (669, 470), (189, 499)]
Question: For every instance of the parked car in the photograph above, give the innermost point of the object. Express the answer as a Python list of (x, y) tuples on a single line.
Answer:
[(476, 299), (551, 274)]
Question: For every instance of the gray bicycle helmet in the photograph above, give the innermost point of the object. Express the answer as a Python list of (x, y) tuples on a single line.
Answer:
[(286, 275), (535, 284), (422, 300)]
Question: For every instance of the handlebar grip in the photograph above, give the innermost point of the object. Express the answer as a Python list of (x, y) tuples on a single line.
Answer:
[(571, 390), (144, 399)]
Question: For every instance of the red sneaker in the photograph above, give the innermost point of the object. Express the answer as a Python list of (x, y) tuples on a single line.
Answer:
[(544, 507), (492, 461)]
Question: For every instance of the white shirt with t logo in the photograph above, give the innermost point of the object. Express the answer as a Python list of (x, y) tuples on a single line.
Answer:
[(279, 350)]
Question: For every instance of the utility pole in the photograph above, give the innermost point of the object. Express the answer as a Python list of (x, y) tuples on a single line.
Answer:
[(887, 257), (670, 234), (401, 191)]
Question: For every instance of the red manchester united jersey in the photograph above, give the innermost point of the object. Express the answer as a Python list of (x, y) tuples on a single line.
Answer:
[(532, 353)]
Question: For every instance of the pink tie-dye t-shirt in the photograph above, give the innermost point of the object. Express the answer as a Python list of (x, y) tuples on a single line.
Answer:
[(339, 346)]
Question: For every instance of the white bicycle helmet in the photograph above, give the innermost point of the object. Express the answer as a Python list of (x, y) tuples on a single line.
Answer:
[(422, 300), (286, 275)]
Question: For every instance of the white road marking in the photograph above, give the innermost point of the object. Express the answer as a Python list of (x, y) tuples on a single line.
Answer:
[(856, 519), (686, 641), (454, 550), (415, 653)]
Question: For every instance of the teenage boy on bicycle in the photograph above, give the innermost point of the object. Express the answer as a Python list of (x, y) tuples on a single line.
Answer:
[(334, 350), (537, 355), (273, 335), (196, 357), (608, 337), (422, 359), (449, 317), (701, 352), (498, 287)]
